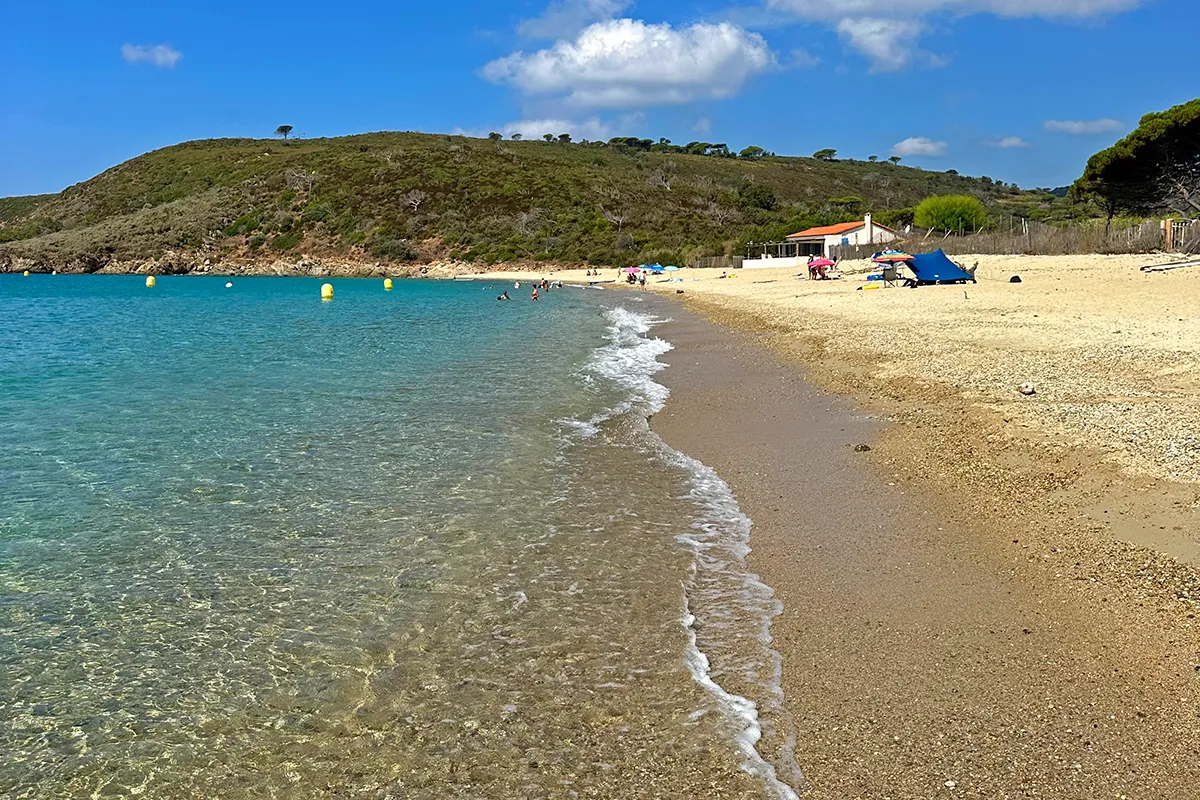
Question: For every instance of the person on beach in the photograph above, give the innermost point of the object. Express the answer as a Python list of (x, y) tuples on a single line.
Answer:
[(642, 281)]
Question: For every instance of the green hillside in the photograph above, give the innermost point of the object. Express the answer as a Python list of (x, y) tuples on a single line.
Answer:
[(406, 197)]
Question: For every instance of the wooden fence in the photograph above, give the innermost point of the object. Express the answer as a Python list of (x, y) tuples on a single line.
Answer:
[(1182, 235), (1036, 238), (716, 262)]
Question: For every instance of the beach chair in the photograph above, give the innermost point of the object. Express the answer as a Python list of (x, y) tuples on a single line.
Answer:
[(891, 275)]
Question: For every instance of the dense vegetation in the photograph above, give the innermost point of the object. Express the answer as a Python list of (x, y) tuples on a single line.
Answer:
[(1155, 168), (403, 197), (957, 213)]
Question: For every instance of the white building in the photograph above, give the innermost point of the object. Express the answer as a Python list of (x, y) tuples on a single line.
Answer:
[(821, 241)]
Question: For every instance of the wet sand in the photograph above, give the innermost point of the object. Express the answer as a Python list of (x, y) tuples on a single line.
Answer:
[(953, 625)]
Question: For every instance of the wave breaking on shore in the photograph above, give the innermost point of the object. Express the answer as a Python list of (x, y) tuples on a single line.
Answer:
[(726, 610)]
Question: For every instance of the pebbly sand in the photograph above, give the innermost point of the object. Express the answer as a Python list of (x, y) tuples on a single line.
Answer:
[(1000, 598)]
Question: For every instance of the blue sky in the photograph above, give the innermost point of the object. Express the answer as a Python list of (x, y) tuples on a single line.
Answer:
[(1021, 90)]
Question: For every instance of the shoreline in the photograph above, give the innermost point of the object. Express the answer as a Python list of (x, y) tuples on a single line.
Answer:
[(925, 651)]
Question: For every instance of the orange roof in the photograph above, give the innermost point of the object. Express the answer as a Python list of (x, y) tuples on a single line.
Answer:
[(829, 230)]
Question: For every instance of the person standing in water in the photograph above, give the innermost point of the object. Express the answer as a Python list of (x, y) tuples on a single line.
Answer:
[(534, 296)]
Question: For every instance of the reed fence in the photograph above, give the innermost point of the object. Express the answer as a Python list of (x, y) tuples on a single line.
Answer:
[(1036, 238), (716, 262)]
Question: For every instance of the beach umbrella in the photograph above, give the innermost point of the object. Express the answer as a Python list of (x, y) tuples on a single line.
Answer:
[(655, 267), (671, 269), (631, 269), (821, 262), (890, 258)]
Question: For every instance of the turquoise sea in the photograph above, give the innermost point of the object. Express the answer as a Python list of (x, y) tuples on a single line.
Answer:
[(416, 543)]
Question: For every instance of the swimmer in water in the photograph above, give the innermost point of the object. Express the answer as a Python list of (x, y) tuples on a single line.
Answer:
[(503, 296), (534, 296)]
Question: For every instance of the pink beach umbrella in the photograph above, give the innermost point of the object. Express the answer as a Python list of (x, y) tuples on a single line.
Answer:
[(821, 262)]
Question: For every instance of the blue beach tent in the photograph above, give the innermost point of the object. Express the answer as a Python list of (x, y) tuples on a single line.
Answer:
[(935, 267)]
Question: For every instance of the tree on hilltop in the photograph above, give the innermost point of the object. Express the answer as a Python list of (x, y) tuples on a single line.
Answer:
[(1154, 168), (828, 154), (872, 159), (895, 159), (516, 137), (564, 138), (284, 131), (752, 153), (549, 137), (495, 137)]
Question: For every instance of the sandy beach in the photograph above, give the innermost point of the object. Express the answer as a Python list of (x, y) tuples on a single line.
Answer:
[(998, 599)]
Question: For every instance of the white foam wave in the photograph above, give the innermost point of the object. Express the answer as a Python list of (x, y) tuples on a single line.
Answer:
[(719, 541), (628, 359)]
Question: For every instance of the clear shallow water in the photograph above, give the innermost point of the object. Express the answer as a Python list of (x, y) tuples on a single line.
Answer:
[(405, 544)]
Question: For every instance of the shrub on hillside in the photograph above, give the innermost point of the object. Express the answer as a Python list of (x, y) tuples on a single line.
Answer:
[(246, 223), (897, 217), (392, 249), (757, 195), (951, 212), (286, 241)]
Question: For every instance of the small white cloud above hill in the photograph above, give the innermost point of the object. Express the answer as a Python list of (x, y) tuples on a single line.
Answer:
[(536, 128), (919, 146), (594, 128), (1082, 127), (1008, 142), (160, 55)]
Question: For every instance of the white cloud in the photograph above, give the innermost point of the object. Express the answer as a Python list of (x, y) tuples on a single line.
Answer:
[(565, 18), (876, 28), (887, 42), (897, 9), (1079, 127), (536, 128), (919, 146), (1008, 142), (160, 55), (802, 59), (703, 125), (625, 63)]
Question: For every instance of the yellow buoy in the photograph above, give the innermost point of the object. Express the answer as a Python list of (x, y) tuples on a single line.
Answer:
[(387, 284), (326, 291), (26, 273), (53, 272), (149, 281)]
